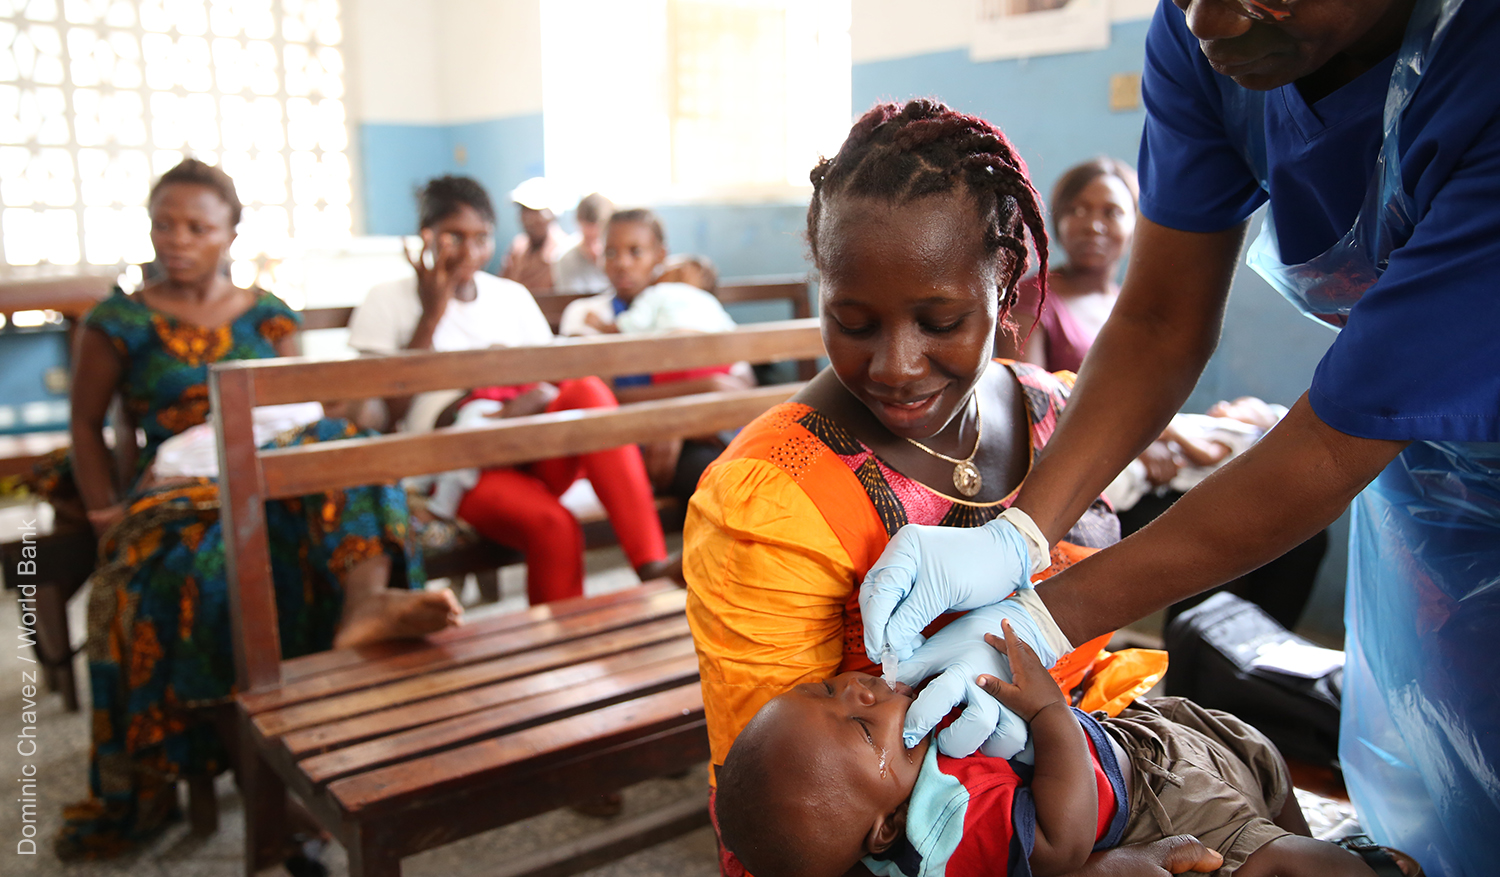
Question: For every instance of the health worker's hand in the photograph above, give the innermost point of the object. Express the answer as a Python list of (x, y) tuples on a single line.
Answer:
[(928, 571), (958, 655)]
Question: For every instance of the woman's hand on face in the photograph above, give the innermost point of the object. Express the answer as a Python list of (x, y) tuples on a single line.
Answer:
[(437, 284)]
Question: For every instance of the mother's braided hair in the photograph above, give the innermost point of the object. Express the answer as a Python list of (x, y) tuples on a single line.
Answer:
[(901, 153)]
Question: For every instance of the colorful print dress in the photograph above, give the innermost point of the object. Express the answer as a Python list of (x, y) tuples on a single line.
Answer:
[(158, 616)]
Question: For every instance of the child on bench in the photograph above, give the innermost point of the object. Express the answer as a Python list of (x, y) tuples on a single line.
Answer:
[(820, 779)]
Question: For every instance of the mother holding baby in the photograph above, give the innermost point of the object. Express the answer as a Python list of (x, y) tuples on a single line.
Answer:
[(1364, 128), (918, 230)]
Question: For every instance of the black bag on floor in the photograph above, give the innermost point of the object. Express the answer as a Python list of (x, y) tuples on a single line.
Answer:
[(1212, 647)]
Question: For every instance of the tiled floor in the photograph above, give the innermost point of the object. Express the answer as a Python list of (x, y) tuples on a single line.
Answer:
[(62, 747)]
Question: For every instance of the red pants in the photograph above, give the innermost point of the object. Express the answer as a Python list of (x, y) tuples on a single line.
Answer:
[(518, 506)]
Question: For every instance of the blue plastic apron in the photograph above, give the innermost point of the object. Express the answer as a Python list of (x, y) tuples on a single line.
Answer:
[(1420, 739)]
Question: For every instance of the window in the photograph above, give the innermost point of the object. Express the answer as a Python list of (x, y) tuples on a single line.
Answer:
[(98, 97), (692, 98)]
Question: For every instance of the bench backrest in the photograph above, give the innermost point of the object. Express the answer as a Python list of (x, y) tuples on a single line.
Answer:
[(790, 288), (251, 476), (70, 296)]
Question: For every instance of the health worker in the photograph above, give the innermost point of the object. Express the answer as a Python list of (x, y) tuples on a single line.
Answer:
[(1370, 128)]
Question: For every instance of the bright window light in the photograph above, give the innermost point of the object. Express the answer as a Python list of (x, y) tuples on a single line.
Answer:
[(98, 97), (687, 99)]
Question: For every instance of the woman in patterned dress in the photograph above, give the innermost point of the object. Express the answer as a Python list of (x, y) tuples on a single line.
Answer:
[(345, 567)]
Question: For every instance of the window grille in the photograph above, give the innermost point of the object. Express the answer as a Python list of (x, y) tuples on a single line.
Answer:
[(98, 97)]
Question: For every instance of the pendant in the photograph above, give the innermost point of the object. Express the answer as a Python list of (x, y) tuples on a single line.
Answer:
[(966, 478)]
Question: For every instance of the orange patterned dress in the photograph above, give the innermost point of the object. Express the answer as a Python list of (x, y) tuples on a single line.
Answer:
[(781, 532)]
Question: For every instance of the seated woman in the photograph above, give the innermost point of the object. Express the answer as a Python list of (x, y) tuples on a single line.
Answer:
[(917, 228), (1093, 216), (451, 303), (159, 628)]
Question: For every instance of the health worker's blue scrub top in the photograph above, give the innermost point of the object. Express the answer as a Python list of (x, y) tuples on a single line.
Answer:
[(1418, 359), (1420, 356)]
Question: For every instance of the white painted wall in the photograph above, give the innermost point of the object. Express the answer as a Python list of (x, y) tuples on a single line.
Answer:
[(883, 29), (490, 61), (443, 61), (392, 47)]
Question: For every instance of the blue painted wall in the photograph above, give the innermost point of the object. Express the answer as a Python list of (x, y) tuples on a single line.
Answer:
[(27, 404), (1055, 109), (742, 239), (397, 159), (394, 162)]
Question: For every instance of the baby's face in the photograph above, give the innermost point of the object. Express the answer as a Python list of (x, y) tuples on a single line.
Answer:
[(830, 754), (852, 723)]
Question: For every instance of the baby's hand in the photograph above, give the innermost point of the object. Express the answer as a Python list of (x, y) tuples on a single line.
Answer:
[(596, 322), (1034, 688)]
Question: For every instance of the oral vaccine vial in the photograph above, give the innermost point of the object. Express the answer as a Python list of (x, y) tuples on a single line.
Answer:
[(888, 666)]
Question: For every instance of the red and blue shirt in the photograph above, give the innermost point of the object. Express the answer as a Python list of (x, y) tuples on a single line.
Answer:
[(968, 815)]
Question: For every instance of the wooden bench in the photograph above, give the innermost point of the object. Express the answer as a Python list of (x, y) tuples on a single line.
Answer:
[(401, 747), (67, 554)]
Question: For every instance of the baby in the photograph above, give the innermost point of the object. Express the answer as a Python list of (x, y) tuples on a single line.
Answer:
[(819, 780), (692, 269)]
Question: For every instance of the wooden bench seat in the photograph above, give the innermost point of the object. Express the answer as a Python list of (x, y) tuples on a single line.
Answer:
[(538, 697), (400, 747)]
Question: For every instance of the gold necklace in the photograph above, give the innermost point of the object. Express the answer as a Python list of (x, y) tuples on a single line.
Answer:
[(965, 474)]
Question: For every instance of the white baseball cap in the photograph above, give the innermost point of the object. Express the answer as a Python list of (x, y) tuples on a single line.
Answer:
[(535, 193)]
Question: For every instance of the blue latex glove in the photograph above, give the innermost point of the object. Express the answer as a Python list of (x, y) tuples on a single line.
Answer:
[(958, 655), (928, 571)]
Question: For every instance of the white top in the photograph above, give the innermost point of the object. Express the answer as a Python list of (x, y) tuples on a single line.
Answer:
[(669, 307), (574, 320), (502, 314), (574, 272), (663, 307), (194, 452)]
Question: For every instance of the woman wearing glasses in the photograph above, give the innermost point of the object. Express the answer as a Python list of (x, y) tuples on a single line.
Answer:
[(1372, 130)]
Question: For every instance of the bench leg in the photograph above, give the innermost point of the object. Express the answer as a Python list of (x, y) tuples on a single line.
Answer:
[(265, 810), (203, 805), (489, 585), (368, 857)]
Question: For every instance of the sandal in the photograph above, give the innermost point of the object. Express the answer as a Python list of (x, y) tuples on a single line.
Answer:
[(1383, 861)]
